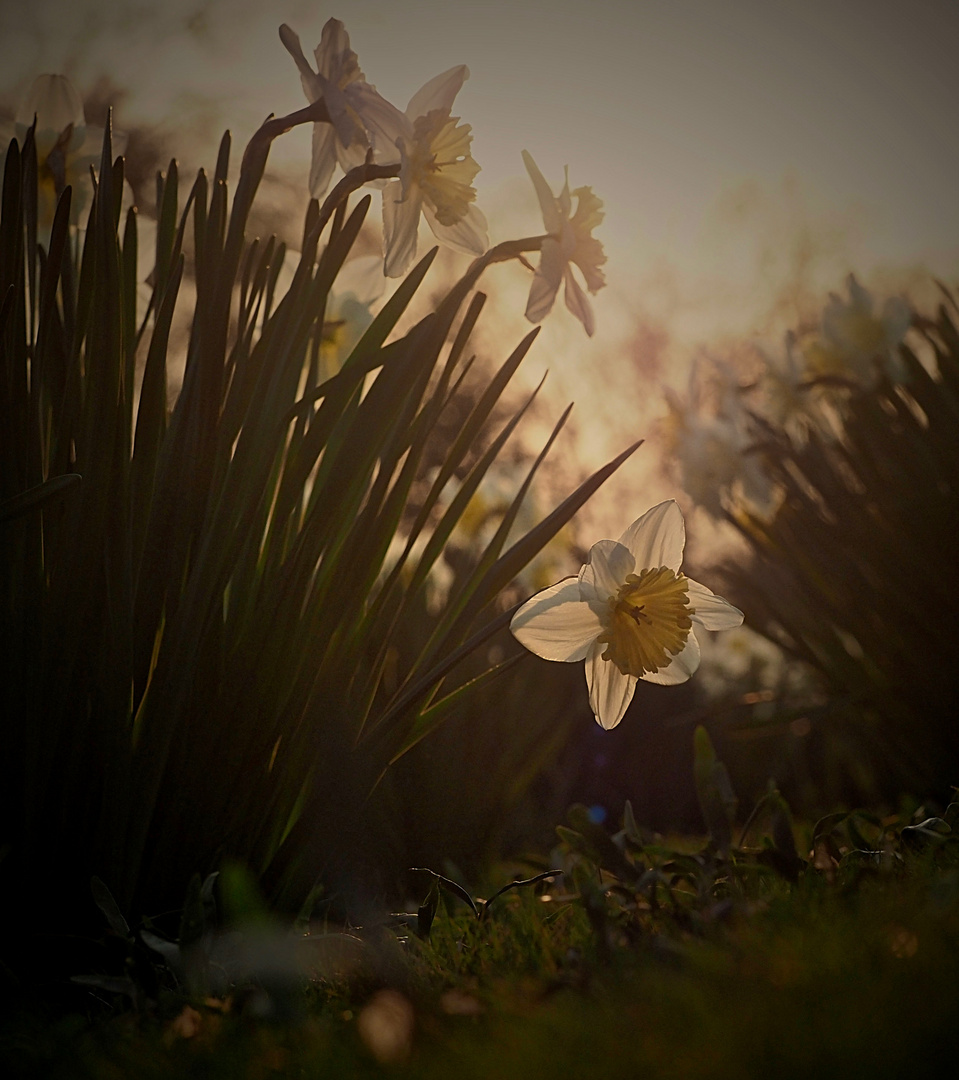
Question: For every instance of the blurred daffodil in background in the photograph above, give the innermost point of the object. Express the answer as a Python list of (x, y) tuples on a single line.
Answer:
[(712, 447), (349, 309), (629, 614), (66, 145), (570, 243), (858, 342)]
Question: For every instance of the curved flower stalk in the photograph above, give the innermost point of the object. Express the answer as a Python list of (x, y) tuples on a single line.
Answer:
[(436, 177), (361, 119), (66, 146), (857, 342), (570, 242), (629, 614)]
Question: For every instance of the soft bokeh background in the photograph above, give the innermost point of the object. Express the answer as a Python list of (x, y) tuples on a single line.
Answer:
[(749, 154)]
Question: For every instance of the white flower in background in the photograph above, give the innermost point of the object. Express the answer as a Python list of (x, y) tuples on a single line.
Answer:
[(66, 146), (714, 450), (349, 309), (436, 177), (792, 399), (629, 614), (857, 343), (361, 119), (785, 391), (570, 242)]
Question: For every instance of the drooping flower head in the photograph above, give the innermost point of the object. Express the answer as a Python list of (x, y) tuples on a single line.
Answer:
[(630, 614), (570, 243), (436, 177), (361, 119)]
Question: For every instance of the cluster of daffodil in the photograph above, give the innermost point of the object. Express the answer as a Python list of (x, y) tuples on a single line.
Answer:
[(630, 612), (433, 173), (714, 433)]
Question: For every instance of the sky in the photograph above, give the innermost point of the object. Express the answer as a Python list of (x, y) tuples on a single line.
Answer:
[(743, 148)]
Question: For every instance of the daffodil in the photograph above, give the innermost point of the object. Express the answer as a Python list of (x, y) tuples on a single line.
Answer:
[(630, 614), (349, 305), (436, 177), (66, 146), (858, 342), (714, 446), (360, 118), (570, 243)]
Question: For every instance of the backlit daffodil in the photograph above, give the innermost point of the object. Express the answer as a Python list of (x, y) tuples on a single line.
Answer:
[(360, 118), (570, 242), (630, 614), (436, 177)]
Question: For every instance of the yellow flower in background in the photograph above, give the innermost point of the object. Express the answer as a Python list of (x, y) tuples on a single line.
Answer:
[(360, 118), (436, 177), (570, 242), (629, 614)]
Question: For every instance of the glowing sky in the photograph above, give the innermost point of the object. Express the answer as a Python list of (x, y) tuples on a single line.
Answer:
[(735, 142)]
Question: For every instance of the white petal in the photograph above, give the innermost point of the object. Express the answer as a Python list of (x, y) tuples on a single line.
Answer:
[(439, 93), (552, 219), (338, 108), (333, 49), (681, 666), (546, 282), (606, 568), (556, 624), (563, 200), (542, 295), (383, 121), (324, 159), (291, 42), (400, 223), (54, 101), (610, 691), (363, 278), (712, 612), (470, 234), (349, 157), (658, 537), (577, 303)]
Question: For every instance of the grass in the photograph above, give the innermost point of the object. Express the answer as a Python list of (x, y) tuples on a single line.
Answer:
[(680, 962)]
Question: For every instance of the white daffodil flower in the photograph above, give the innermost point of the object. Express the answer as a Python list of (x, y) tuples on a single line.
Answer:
[(436, 177), (570, 242), (360, 118), (629, 614)]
